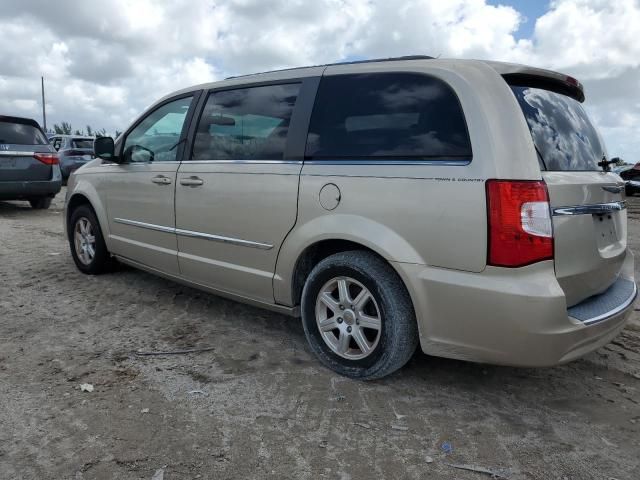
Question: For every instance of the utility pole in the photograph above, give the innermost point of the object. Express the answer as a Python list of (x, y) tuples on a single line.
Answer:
[(44, 113)]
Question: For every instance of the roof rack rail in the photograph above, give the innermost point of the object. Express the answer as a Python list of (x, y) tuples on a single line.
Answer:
[(353, 62)]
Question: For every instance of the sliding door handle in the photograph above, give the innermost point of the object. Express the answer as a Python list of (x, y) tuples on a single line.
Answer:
[(161, 180), (191, 181)]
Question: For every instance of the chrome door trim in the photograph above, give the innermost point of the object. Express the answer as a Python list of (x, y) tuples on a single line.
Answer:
[(221, 239), (593, 209), (189, 233), (150, 226)]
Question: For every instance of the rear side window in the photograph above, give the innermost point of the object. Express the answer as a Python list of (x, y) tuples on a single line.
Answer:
[(21, 134), (561, 130), (82, 143), (246, 123), (387, 115)]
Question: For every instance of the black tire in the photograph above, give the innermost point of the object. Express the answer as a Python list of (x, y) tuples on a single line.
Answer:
[(398, 336), (40, 203), (102, 261)]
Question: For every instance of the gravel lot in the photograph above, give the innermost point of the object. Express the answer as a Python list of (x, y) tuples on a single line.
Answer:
[(258, 405)]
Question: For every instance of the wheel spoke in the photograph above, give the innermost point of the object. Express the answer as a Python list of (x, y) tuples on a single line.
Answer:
[(361, 299), (329, 301), (343, 291), (367, 321), (90, 251), (343, 342), (328, 324), (361, 340)]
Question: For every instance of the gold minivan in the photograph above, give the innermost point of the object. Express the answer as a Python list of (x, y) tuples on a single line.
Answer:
[(466, 206)]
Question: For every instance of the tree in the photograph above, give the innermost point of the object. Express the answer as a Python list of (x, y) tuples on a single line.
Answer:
[(89, 131), (63, 129)]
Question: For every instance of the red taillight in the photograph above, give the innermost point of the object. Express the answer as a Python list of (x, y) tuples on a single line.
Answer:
[(520, 231), (47, 158)]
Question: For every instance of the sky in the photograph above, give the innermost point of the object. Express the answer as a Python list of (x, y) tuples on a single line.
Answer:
[(104, 65)]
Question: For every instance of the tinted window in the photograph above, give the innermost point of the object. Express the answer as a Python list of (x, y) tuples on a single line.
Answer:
[(21, 134), (561, 130), (245, 124), (387, 115), (82, 143), (156, 137)]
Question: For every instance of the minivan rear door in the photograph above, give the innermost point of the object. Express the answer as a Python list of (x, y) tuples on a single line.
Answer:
[(19, 140), (587, 203)]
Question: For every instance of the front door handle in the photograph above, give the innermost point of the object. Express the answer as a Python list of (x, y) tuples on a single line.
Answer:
[(191, 181), (161, 180)]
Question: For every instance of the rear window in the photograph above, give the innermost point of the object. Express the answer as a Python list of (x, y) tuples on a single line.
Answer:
[(387, 116), (21, 134), (561, 130), (82, 143)]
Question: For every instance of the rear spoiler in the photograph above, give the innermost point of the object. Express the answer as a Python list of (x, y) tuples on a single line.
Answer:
[(568, 86), (525, 76)]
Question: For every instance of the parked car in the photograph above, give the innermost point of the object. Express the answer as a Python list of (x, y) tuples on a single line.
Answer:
[(73, 151), (29, 167), (631, 177), (454, 204)]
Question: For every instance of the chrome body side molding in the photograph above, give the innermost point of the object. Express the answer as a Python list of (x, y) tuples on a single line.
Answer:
[(192, 234)]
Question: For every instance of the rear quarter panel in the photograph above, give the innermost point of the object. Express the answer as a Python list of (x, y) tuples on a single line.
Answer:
[(415, 213)]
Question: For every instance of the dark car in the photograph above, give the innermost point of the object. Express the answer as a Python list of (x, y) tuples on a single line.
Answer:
[(73, 152), (631, 177), (29, 168)]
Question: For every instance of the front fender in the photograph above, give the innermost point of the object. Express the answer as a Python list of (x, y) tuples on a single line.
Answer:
[(364, 231), (82, 187)]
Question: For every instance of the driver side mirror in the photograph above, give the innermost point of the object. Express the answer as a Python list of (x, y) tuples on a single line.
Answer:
[(104, 148)]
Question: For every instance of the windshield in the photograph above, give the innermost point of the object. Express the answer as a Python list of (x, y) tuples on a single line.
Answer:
[(562, 132), (21, 134)]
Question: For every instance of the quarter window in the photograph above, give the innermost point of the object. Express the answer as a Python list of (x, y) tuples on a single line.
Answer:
[(245, 124), (387, 115), (156, 138)]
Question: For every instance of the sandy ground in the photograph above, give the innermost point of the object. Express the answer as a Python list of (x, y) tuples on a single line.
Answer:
[(258, 405)]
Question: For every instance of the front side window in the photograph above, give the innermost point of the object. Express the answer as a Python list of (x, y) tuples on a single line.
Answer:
[(387, 115), (561, 130), (246, 124), (156, 138)]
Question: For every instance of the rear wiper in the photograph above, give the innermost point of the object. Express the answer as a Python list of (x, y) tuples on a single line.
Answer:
[(604, 163)]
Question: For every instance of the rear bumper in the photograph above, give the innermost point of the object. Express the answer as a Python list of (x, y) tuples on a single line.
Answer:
[(28, 189), (513, 317)]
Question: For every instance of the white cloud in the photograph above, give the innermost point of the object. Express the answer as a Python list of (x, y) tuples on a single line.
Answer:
[(104, 66)]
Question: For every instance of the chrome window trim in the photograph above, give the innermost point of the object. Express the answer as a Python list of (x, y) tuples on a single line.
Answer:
[(593, 209), (444, 163), (252, 162), (192, 234)]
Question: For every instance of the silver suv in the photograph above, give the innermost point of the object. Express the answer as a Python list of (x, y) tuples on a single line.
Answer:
[(465, 206)]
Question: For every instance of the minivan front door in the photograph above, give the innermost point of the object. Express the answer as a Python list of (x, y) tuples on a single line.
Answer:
[(587, 204), (236, 197), (141, 190)]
